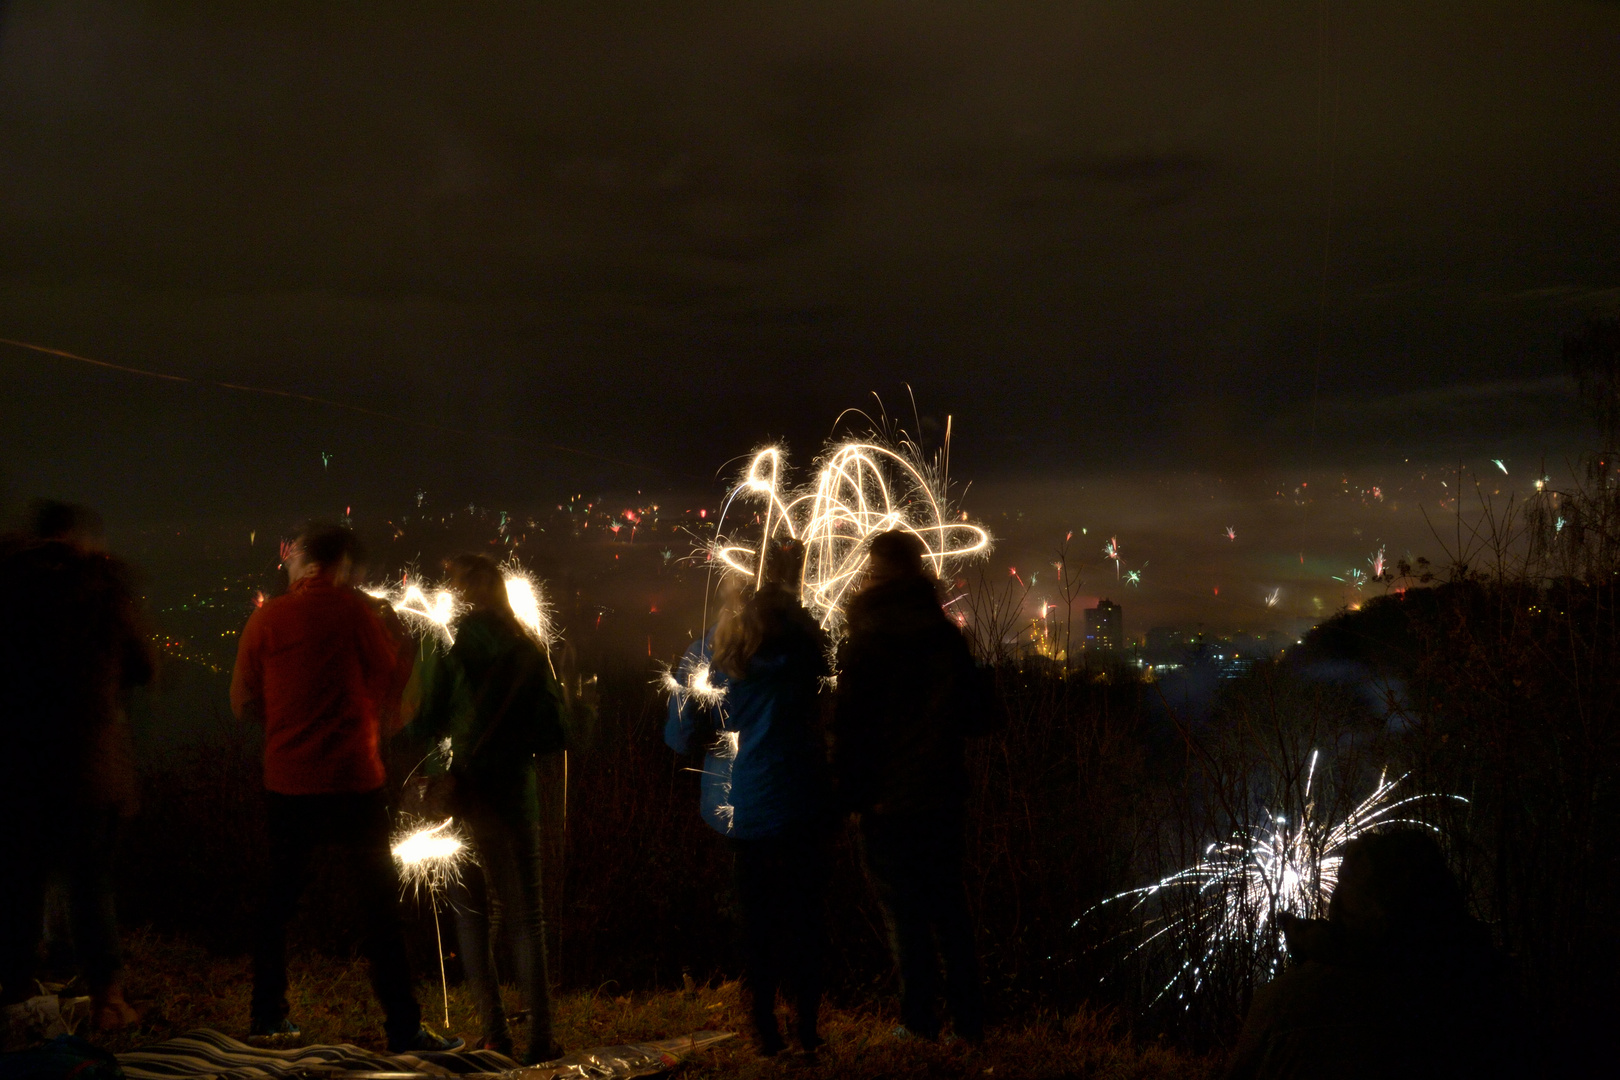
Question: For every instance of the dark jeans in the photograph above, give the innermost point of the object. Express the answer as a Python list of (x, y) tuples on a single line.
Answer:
[(74, 851), (779, 881), (358, 824), (504, 889), (916, 862)]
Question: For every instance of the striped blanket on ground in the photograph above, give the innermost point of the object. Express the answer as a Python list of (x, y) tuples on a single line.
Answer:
[(209, 1055)]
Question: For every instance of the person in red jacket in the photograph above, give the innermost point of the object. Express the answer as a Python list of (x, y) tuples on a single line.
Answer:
[(320, 670)]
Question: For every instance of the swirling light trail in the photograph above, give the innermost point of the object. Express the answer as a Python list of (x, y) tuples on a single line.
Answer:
[(860, 489)]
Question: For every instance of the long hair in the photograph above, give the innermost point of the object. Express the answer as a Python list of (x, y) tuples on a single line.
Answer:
[(765, 614), (478, 579)]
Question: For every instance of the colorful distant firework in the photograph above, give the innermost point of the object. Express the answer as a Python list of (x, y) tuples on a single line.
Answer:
[(1111, 551)]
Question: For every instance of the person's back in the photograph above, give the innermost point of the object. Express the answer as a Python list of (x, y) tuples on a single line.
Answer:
[(69, 649), (908, 694), (513, 708), (493, 694), (765, 785), (765, 758), (319, 670), (324, 669), (778, 775)]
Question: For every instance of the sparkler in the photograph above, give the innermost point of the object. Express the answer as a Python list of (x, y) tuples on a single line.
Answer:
[(430, 857), (529, 604), (697, 686), (433, 610), (1224, 909), (860, 489)]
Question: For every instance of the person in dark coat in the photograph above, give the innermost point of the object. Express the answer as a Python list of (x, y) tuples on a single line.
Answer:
[(765, 786), (909, 694), (71, 648), (494, 696), (1398, 981)]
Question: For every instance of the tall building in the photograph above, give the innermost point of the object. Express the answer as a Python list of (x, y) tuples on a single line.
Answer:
[(1105, 631)]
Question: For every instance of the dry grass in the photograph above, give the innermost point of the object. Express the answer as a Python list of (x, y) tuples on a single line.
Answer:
[(184, 987)]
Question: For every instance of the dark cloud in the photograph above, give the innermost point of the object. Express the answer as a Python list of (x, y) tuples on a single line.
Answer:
[(1103, 236)]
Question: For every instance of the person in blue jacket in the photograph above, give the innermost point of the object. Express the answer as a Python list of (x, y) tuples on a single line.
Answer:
[(749, 695)]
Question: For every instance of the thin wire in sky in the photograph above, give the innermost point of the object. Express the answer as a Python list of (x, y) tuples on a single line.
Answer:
[(345, 406)]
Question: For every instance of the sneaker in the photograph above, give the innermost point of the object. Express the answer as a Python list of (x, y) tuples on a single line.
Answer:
[(274, 1029), (426, 1040)]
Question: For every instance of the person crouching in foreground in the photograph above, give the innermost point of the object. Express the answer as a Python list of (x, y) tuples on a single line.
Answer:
[(1397, 981), (318, 669), (495, 697), (909, 692), (765, 784)]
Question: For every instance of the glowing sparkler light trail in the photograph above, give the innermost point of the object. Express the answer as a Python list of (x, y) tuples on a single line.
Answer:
[(697, 686), (860, 489), (429, 850), (528, 604), (433, 612), (430, 858), (1231, 898)]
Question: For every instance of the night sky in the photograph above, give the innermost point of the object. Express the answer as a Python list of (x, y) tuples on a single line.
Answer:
[(1161, 263)]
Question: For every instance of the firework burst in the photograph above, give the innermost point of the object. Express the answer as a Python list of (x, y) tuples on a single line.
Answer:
[(1223, 911)]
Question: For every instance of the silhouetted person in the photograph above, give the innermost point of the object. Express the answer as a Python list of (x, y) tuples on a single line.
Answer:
[(495, 697), (765, 785), (909, 693), (1398, 981), (319, 670), (71, 648)]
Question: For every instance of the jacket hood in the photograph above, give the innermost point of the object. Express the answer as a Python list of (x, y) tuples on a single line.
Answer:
[(903, 605)]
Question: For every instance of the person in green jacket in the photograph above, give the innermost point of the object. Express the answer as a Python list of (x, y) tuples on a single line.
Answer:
[(494, 697)]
